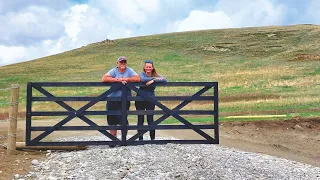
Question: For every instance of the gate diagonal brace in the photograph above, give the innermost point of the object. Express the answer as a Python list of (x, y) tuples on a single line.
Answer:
[(169, 112), (77, 113), (82, 117)]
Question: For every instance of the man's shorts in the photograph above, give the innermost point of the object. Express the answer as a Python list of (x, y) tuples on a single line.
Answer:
[(115, 105)]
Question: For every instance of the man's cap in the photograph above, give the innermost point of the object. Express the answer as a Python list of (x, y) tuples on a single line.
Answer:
[(122, 58)]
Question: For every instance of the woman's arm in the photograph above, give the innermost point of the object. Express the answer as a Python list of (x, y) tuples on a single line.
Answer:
[(160, 79), (145, 78)]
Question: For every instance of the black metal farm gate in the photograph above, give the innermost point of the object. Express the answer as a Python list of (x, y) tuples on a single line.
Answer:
[(83, 112)]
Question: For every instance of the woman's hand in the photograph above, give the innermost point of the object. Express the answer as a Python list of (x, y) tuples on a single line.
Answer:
[(149, 82)]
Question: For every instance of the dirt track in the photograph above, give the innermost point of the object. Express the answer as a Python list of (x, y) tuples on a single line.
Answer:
[(296, 139)]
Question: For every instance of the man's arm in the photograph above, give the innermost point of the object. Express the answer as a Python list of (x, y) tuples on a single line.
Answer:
[(108, 78), (135, 78)]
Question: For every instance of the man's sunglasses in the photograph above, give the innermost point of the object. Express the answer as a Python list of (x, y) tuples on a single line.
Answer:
[(123, 62)]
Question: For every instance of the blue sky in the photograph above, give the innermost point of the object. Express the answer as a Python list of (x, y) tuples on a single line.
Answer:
[(32, 29)]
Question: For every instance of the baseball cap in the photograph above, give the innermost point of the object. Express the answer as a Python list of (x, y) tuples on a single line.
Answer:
[(122, 58)]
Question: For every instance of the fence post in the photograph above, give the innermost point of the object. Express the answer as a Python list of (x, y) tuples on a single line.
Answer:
[(13, 114)]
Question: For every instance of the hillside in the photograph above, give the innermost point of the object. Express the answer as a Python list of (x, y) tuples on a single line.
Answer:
[(262, 70)]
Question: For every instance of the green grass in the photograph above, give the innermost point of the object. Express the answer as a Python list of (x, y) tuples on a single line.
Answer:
[(171, 120), (255, 70)]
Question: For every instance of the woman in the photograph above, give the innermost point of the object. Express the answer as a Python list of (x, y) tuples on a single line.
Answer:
[(149, 76)]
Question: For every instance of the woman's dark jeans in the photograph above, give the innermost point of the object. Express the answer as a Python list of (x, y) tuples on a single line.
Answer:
[(145, 105)]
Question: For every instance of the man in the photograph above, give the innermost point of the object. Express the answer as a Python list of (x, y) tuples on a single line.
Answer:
[(122, 74)]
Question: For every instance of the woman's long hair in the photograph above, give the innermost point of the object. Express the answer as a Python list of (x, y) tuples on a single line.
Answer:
[(153, 72)]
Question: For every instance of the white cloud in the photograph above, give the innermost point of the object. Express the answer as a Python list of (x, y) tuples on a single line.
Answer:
[(203, 20), (260, 13), (228, 14), (73, 20), (33, 29), (29, 26), (11, 54), (81, 25), (128, 11)]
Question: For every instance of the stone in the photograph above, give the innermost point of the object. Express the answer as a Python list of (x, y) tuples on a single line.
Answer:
[(35, 162), (297, 126)]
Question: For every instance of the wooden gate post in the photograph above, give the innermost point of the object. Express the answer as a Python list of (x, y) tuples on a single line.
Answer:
[(13, 114)]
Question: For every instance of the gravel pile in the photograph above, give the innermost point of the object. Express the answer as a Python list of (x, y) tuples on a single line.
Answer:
[(171, 161)]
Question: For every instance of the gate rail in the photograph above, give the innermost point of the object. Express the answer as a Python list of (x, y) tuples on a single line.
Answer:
[(83, 111)]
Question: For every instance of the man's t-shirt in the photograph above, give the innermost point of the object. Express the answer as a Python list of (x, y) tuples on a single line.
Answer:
[(116, 74)]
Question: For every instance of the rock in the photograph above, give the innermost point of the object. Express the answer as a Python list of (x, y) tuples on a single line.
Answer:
[(16, 176), (33, 175), (124, 173), (297, 126), (52, 178), (271, 35), (306, 124), (35, 162)]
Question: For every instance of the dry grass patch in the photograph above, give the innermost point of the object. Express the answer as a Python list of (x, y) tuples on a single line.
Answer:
[(306, 57), (281, 101), (248, 97), (298, 82), (248, 77)]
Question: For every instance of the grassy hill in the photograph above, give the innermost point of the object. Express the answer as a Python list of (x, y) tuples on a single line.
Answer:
[(262, 70)]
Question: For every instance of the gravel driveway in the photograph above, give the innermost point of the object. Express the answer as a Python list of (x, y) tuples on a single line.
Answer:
[(171, 161)]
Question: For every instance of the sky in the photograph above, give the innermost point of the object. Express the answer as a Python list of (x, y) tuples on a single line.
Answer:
[(31, 29)]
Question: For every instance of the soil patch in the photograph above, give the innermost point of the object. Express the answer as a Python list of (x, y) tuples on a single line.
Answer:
[(306, 57)]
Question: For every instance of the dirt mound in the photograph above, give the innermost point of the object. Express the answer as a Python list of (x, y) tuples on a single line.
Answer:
[(304, 123), (5, 116), (297, 139), (306, 57)]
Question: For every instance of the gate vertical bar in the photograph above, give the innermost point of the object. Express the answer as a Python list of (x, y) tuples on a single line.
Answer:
[(124, 115), (216, 112), (28, 113)]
